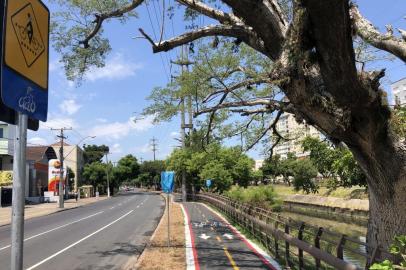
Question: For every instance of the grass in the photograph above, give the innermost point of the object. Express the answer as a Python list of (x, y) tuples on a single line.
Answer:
[(261, 196), (355, 192)]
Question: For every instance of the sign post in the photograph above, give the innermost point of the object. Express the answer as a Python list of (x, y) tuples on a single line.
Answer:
[(19, 176), (167, 184), (24, 91)]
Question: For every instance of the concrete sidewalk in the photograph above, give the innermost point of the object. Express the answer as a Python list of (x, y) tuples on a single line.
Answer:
[(43, 209)]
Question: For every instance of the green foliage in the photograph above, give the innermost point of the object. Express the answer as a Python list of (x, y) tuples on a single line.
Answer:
[(224, 165), (94, 153), (398, 121), (150, 172), (6, 178), (127, 169), (262, 196), (95, 174), (322, 155), (398, 248), (303, 175), (336, 163), (72, 24)]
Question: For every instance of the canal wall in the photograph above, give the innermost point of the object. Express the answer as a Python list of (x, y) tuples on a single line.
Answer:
[(352, 210)]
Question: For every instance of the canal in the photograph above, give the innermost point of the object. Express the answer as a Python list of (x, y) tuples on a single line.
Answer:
[(350, 229)]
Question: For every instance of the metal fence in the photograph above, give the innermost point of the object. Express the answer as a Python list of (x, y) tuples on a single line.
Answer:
[(295, 244)]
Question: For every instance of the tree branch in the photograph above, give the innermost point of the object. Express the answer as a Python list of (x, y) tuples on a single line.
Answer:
[(371, 35), (240, 32), (222, 17), (100, 18)]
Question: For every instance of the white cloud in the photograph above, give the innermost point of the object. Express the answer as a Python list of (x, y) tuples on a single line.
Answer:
[(115, 68), (55, 121), (175, 134), (117, 130), (69, 106), (55, 65), (146, 148), (116, 149), (37, 141), (101, 120)]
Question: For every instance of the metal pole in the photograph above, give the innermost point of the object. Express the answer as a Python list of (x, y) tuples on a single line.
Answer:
[(61, 181), (183, 135), (169, 237), (107, 172), (19, 178)]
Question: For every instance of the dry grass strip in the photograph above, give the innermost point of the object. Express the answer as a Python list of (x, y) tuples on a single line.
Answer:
[(157, 255)]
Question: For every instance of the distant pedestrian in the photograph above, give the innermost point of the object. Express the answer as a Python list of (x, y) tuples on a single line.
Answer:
[(76, 195)]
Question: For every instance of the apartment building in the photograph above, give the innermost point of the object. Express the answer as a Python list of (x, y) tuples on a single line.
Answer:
[(399, 92), (289, 128)]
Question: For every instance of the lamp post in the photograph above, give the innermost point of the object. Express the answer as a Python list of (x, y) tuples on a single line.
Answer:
[(77, 145), (107, 173)]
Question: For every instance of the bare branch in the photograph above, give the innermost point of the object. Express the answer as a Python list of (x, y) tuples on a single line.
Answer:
[(245, 112), (100, 18), (371, 35), (238, 86), (222, 17), (241, 32)]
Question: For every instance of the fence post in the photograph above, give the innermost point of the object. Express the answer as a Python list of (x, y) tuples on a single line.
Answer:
[(340, 247), (287, 251), (317, 245), (276, 240), (300, 237)]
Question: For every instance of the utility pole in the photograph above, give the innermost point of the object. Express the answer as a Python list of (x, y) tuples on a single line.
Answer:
[(61, 171), (107, 174), (183, 61), (154, 144)]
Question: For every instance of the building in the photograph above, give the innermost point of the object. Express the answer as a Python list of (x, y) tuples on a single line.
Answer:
[(258, 164), (73, 159), (7, 133), (399, 91), (295, 132), (38, 158)]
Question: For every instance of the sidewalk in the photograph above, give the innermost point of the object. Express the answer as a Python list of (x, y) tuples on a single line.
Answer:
[(44, 209)]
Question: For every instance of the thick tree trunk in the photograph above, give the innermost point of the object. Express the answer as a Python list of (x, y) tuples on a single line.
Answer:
[(387, 215)]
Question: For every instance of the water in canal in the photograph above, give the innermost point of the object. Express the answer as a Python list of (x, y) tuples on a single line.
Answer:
[(350, 229)]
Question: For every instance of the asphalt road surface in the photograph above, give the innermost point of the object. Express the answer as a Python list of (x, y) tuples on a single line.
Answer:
[(217, 245), (102, 235)]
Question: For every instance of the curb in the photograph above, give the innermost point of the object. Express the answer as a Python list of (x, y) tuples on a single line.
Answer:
[(129, 264), (57, 211)]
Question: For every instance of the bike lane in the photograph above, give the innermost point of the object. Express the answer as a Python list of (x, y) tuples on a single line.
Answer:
[(217, 245)]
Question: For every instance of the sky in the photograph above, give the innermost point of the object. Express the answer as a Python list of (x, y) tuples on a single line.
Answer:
[(110, 98)]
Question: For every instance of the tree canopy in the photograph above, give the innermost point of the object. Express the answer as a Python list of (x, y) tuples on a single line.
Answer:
[(311, 51)]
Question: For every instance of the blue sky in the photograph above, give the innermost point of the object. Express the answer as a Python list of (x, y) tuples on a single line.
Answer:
[(106, 101)]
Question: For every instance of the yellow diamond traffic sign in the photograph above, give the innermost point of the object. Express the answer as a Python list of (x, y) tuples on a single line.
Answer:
[(26, 40)]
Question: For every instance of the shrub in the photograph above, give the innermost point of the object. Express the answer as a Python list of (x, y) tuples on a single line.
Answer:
[(262, 196)]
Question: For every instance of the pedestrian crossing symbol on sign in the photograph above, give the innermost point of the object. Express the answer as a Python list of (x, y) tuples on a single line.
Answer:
[(25, 61), (28, 34)]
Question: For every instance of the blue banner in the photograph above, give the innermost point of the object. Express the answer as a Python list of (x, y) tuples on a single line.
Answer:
[(208, 183), (167, 181)]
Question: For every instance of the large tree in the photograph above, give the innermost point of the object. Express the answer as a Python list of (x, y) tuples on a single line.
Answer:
[(311, 52)]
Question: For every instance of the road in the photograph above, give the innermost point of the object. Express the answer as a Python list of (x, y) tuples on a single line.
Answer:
[(218, 245), (103, 235)]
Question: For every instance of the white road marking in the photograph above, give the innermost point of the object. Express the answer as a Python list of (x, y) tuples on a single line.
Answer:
[(79, 241), (229, 236), (204, 236), (112, 207), (54, 229), (190, 260)]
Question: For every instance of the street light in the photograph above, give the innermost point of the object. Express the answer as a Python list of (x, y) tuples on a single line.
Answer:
[(107, 172), (77, 145)]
